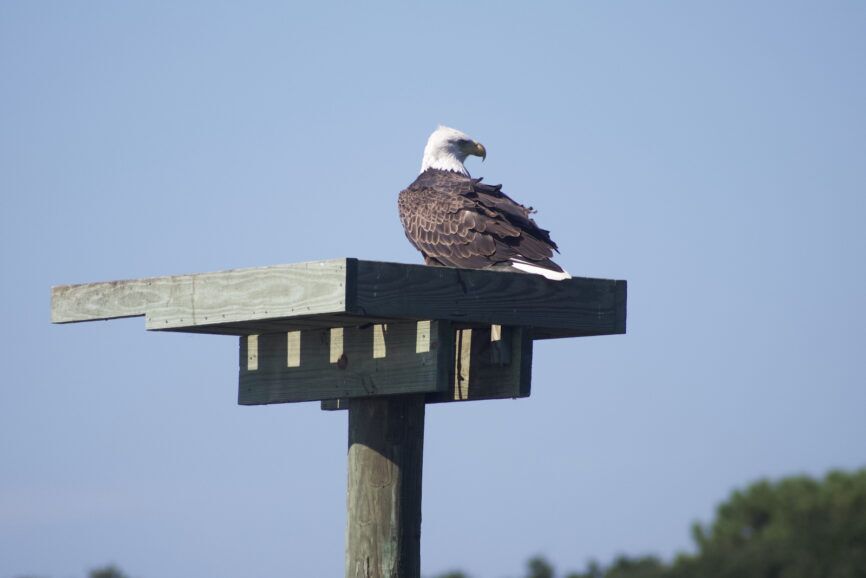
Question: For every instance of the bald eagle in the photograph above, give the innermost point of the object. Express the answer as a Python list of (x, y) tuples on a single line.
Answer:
[(457, 221)]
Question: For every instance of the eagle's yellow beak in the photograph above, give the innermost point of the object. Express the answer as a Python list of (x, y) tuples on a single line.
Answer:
[(478, 150)]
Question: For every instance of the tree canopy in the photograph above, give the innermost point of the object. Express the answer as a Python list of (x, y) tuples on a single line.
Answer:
[(797, 527), (794, 528), (110, 571)]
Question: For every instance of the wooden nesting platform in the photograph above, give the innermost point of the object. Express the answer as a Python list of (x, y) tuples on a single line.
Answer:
[(331, 330)]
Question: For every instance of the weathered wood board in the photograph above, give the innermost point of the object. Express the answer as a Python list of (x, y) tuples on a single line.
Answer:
[(209, 300), (574, 307), (350, 292), (371, 360), (487, 363), (383, 517)]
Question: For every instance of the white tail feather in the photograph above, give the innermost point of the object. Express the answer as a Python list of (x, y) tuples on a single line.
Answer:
[(553, 275)]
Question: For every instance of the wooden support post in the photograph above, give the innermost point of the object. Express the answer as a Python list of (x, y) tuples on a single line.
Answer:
[(383, 527)]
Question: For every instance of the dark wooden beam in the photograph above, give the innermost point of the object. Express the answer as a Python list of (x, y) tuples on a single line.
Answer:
[(488, 363), (316, 364), (574, 307)]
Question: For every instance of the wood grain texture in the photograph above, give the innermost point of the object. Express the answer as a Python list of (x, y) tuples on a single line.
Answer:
[(116, 299), (495, 370), (210, 299), (481, 368), (383, 524), (349, 292), (578, 306), (251, 294), (321, 372)]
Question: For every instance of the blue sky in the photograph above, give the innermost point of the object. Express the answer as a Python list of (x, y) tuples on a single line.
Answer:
[(712, 154)]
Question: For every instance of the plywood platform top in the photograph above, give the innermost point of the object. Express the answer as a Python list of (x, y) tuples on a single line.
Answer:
[(349, 292)]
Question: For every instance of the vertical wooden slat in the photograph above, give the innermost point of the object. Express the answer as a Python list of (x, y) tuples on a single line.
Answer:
[(293, 349), (252, 352), (463, 361), (422, 337), (380, 349), (336, 344)]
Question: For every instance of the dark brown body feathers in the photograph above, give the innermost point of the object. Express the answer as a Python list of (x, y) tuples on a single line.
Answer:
[(457, 221)]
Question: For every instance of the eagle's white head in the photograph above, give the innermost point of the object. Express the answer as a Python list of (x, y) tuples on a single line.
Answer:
[(447, 148)]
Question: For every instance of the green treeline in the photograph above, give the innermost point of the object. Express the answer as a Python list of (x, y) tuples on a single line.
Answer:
[(797, 527)]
